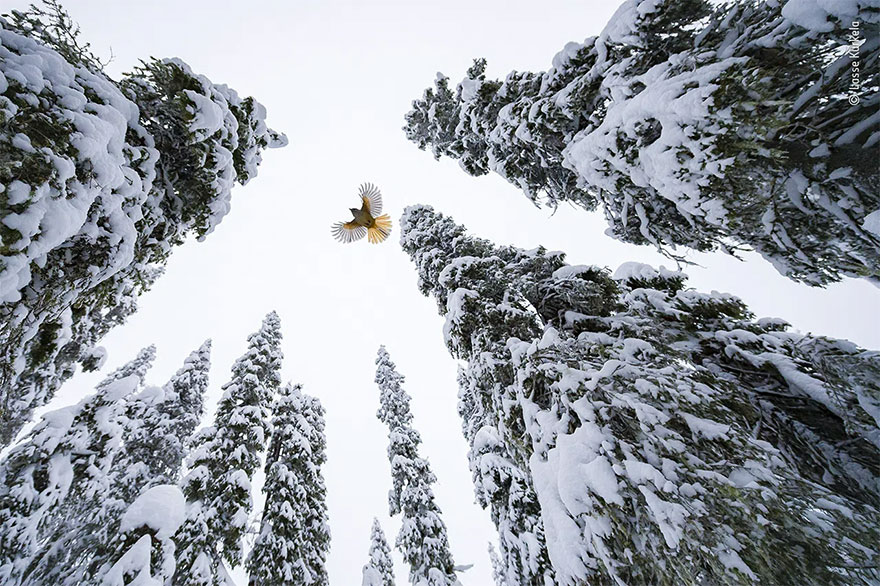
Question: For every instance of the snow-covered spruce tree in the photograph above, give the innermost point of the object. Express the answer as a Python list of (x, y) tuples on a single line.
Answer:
[(164, 419), (670, 438), (422, 538), (66, 488), (499, 572), (379, 570), (695, 123), (222, 463), (294, 537), (501, 476), (58, 478), (99, 181)]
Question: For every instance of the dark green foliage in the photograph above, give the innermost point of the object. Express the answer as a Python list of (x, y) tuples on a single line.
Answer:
[(99, 181), (652, 434), (712, 126)]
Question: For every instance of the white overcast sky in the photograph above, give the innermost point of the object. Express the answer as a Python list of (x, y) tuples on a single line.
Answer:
[(338, 77)]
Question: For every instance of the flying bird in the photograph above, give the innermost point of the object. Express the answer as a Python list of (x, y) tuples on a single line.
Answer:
[(367, 221)]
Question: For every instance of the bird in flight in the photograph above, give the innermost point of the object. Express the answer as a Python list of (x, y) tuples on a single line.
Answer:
[(367, 221)]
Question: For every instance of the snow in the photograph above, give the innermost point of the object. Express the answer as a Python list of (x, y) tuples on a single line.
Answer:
[(808, 14), (871, 223), (742, 478), (674, 101), (208, 116), (733, 561), (582, 469), (622, 24), (566, 54), (641, 271), (469, 88), (642, 473), (565, 539), (161, 508), (826, 15), (119, 388), (96, 355), (455, 310), (60, 419), (372, 577), (670, 517), (150, 395), (136, 560), (706, 428)]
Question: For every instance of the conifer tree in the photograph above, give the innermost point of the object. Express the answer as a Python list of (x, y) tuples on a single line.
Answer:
[(137, 368), (162, 422), (101, 180), (224, 458), (715, 126), (317, 527), (422, 539), (163, 419), (379, 570), (58, 479), (294, 537), (67, 488), (670, 438), (499, 573)]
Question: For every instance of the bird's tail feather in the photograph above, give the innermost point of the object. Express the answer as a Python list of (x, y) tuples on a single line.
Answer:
[(380, 230)]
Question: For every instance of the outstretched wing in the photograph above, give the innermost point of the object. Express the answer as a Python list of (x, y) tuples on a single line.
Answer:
[(347, 231), (371, 199)]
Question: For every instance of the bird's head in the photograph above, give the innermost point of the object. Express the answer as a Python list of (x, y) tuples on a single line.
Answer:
[(353, 211)]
